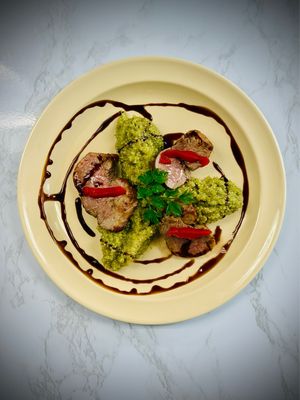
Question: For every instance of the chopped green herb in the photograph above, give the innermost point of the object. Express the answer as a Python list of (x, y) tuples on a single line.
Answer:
[(171, 193), (157, 188), (186, 198), (146, 178), (151, 216), (159, 176), (158, 202), (153, 176), (157, 198), (143, 192), (174, 209)]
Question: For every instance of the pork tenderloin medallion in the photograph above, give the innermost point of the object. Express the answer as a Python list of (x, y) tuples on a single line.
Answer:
[(194, 141), (179, 170), (95, 169), (186, 247), (177, 173), (98, 170)]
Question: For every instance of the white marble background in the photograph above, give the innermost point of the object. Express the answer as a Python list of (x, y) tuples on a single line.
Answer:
[(53, 348)]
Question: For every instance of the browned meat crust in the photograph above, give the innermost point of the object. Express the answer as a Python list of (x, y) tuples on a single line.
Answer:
[(99, 170), (194, 141), (186, 247)]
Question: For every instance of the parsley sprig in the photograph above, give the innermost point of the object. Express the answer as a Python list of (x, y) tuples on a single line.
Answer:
[(157, 199)]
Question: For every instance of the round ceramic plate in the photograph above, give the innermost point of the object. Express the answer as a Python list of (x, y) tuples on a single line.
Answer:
[(175, 289)]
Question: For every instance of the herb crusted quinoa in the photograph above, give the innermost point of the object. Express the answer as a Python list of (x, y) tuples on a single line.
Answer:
[(121, 248), (138, 142), (213, 198)]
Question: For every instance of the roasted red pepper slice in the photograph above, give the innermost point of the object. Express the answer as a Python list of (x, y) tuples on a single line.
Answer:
[(98, 192), (164, 159), (185, 155), (187, 232)]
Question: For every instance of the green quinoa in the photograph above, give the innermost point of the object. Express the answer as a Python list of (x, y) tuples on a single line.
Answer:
[(214, 198), (138, 142), (121, 248)]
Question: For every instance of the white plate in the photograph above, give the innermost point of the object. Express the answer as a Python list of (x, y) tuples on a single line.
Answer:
[(139, 81)]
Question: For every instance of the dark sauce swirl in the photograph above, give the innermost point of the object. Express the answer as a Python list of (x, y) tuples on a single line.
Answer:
[(81, 219), (60, 197)]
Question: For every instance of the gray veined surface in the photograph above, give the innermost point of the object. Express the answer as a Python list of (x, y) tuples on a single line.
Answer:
[(51, 347)]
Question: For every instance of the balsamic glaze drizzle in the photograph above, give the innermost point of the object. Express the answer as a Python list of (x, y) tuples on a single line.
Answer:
[(81, 219)]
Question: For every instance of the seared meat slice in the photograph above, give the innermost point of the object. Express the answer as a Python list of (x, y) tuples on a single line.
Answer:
[(112, 213), (189, 215), (95, 169), (98, 170), (185, 247), (194, 141), (177, 173), (169, 221), (201, 246)]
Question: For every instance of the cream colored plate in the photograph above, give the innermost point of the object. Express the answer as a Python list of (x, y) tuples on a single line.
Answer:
[(144, 80)]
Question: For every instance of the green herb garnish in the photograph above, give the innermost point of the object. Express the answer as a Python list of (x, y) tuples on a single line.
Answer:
[(153, 176), (157, 199), (174, 208)]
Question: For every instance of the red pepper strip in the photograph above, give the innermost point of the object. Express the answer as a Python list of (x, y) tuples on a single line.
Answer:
[(187, 232), (164, 159), (186, 155), (97, 192)]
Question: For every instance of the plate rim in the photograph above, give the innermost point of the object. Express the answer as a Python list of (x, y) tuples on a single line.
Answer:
[(262, 259)]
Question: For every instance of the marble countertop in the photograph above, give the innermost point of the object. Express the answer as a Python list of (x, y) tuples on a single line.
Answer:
[(52, 347)]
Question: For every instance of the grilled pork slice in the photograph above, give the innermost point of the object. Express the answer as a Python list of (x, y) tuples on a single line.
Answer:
[(177, 173), (194, 141), (95, 169), (185, 247), (99, 170)]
